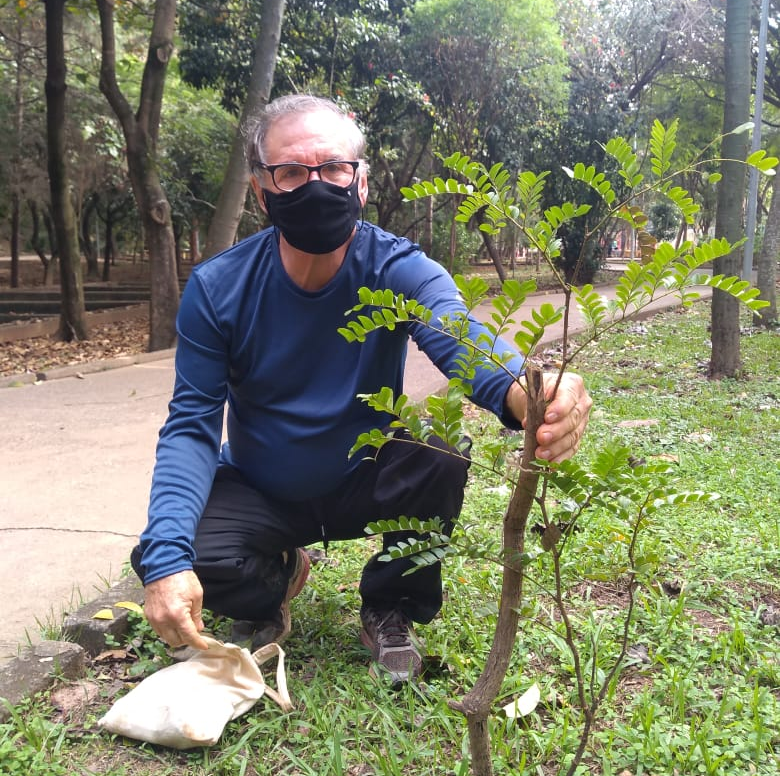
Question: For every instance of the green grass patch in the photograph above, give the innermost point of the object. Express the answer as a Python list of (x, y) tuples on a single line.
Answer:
[(698, 694)]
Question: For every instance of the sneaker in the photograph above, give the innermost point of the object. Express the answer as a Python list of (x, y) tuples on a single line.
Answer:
[(388, 634), (261, 632)]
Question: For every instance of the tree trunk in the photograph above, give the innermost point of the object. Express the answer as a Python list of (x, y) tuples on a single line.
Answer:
[(230, 205), (195, 240), (108, 251), (495, 258), (73, 319), (18, 123), (477, 703), (14, 242), (725, 359), (141, 131), (767, 261), (90, 246)]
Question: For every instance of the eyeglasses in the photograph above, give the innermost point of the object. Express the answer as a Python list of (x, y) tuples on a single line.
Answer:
[(293, 175)]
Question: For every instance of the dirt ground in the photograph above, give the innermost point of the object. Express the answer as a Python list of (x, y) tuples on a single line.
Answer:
[(110, 340)]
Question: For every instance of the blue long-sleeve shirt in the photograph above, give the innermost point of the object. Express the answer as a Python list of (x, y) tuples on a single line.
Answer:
[(249, 336)]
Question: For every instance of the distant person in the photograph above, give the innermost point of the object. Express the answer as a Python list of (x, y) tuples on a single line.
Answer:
[(257, 328)]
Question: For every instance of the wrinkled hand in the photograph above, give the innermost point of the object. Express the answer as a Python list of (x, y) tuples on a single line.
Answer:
[(174, 606), (565, 418)]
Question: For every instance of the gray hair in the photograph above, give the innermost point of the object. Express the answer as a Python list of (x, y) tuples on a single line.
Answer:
[(258, 127)]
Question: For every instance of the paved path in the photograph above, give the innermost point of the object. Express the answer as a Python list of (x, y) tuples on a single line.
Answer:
[(77, 461)]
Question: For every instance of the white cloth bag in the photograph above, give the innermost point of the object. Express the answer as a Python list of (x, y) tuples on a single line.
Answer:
[(188, 704)]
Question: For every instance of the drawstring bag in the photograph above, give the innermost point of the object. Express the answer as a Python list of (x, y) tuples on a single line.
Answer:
[(188, 704)]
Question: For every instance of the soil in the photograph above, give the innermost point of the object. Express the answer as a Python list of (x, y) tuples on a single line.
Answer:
[(42, 354), (110, 340)]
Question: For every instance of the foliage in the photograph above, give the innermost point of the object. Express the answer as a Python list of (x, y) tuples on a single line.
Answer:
[(493, 69), (30, 745), (632, 491), (696, 692)]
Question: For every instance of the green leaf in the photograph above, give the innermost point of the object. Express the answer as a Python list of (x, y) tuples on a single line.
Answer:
[(762, 162), (663, 141)]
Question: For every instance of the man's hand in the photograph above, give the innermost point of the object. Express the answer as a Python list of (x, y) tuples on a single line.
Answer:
[(565, 418), (174, 606)]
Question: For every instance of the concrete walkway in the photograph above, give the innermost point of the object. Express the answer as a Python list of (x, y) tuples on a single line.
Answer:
[(78, 452)]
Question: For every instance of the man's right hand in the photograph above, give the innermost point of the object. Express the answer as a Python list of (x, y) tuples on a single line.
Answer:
[(174, 607)]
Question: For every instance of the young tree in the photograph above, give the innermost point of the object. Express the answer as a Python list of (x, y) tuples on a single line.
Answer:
[(73, 319), (631, 491), (141, 130)]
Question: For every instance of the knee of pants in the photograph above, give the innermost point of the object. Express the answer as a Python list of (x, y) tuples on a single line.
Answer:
[(423, 481)]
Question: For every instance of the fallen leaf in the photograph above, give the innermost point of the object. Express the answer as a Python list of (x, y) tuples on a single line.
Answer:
[(131, 605), (525, 704), (111, 654), (103, 614)]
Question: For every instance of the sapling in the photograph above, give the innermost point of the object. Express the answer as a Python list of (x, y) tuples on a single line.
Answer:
[(631, 491)]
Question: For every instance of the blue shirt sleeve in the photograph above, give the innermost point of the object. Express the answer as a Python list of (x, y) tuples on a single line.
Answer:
[(429, 283), (191, 437)]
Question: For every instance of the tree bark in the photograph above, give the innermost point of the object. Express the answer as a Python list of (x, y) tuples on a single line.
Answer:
[(725, 358), (141, 131), (767, 261), (230, 205), (89, 246), (477, 703), (73, 319), (494, 257)]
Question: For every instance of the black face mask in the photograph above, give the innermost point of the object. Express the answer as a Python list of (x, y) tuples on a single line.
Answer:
[(318, 217)]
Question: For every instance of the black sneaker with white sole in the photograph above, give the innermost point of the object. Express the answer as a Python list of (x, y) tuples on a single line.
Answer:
[(389, 635)]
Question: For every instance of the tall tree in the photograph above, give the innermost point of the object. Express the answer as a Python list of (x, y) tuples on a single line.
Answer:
[(73, 319), (766, 264), (766, 275), (230, 205), (141, 130), (725, 358)]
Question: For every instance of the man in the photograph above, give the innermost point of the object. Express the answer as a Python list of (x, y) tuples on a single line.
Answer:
[(257, 328)]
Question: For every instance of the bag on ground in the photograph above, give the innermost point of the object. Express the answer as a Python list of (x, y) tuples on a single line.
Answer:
[(188, 704)]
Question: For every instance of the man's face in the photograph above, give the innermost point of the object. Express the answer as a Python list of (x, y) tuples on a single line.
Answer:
[(307, 138)]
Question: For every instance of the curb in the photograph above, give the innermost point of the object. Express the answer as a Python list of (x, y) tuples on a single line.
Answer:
[(38, 667), (88, 367)]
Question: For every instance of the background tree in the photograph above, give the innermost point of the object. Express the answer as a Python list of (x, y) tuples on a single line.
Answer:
[(141, 130), (493, 71), (23, 173), (195, 141), (769, 253), (232, 195), (73, 319), (725, 359)]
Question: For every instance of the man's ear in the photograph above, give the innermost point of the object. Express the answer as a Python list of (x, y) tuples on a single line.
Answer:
[(258, 193), (363, 187)]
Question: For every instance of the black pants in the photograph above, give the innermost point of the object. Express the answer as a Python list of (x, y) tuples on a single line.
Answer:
[(243, 533)]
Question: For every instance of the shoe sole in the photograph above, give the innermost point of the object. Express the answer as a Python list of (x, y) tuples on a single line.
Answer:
[(397, 677), (296, 585)]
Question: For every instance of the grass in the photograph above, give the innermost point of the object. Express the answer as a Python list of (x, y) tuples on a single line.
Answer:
[(700, 691)]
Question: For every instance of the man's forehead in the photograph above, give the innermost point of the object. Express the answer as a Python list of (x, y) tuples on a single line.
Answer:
[(310, 129)]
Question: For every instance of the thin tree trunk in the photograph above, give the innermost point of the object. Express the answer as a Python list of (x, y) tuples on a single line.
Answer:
[(90, 247), (494, 257), (767, 261), (18, 123), (230, 205), (141, 131), (14, 242), (476, 704), (725, 359), (73, 320)]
